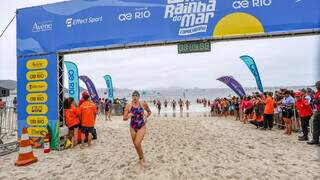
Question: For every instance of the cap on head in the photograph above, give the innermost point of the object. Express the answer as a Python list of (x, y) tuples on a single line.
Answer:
[(297, 94), (85, 93), (136, 93)]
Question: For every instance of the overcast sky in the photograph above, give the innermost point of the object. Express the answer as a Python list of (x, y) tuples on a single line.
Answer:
[(281, 61)]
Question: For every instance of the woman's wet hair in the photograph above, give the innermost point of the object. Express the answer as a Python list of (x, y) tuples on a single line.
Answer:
[(66, 104), (86, 97)]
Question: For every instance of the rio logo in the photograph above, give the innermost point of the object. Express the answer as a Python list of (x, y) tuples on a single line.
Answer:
[(134, 16), (71, 82), (243, 4)]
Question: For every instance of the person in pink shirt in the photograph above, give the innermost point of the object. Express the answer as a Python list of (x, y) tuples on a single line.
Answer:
[(248, 108)]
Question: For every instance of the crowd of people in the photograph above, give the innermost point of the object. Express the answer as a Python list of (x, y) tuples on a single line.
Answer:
[(292, 110), (3, 104), (173, 103), (82, 116)]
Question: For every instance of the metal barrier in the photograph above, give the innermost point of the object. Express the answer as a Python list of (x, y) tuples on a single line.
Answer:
[(8, 131)]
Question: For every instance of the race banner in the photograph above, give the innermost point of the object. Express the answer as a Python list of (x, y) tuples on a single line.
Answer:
[(108, 80), (233, 84), (249, 61), (37, 96), (91, 88), (83, 24), (73, 80)]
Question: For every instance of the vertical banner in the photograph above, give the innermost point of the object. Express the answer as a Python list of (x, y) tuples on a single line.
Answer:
[(91, 88), (73, 80), (233, 84), (249, 61), (108, 80), (38, 97)]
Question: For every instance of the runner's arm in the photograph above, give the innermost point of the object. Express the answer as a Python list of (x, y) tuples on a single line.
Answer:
[(146, 107), (126, 113)]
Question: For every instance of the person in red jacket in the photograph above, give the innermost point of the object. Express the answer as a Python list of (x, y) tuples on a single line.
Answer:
[(305, 113), (72, 120)]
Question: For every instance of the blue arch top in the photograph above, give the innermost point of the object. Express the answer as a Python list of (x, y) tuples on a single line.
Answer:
[(88, 24)]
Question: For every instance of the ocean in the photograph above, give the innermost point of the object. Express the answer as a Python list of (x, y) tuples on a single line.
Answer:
[(190, 94)]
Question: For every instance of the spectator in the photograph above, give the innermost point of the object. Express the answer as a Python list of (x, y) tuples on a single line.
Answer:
[(268, 111), (15, 104), (305, 112), (287, 111), (316, 119), (2, 104)]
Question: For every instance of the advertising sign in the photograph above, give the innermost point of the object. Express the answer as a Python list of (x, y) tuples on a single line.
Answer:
[(84, 24), (37, 96)]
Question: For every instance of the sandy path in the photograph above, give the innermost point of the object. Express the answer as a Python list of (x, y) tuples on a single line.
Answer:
[(177, 148)]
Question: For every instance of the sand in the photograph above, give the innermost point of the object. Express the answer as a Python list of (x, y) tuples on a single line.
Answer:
[(177, 148)]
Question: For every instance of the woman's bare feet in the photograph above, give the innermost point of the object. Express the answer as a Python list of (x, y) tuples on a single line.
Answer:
[(141, 162)]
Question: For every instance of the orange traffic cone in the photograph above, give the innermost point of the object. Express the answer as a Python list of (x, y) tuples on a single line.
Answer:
[(26, 156), (46, 144)]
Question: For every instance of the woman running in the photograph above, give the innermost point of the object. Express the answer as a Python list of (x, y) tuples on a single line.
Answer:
[(136, 112)]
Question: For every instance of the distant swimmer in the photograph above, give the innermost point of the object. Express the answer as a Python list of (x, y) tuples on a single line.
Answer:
[(181, 104), (159, 106), (173, 104), (187, 104), (165, 103), (139, 114)]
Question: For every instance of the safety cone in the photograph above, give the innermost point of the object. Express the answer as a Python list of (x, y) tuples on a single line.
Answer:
[(26, 156), (46, 145)]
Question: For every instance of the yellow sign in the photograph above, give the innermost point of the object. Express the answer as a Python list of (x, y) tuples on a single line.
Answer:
[(37, 86), (37, 120), (37, 131), (37, 98), (37, 63), (37, 75), (37, 109)]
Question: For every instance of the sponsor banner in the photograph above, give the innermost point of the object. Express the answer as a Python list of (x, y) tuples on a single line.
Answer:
[(233, 84), (37, 75), (84, 24), (108, 80), (249, 61), (91, 88), (38, 100), (73, 80), (37, 120), (36, 86), (37, 64), (37, 131)]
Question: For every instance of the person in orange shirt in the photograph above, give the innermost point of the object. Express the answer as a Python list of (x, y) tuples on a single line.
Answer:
[(72, 120), (88, 115), (268, 111)]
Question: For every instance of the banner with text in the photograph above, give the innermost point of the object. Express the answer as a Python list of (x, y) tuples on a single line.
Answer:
[(37, 97), (87, 24)]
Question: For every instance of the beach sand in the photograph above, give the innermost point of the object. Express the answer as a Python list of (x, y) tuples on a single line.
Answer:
[(177, 148)]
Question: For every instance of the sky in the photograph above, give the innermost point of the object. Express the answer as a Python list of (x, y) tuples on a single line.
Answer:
[(281, 61)]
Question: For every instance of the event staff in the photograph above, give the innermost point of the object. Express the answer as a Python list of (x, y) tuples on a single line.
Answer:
[(72, 119), (88, 115), (268, 111), (305, 112)]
